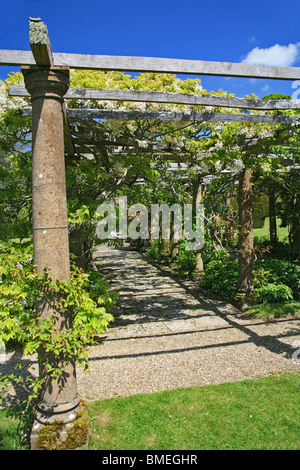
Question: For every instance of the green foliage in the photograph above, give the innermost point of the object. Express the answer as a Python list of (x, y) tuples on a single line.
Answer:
[(154, 250), (221, 274), (144, 81), (100, 291), (260, 211), (278, 272), (86, 300), (278, 309), (273, 293), (274, 280), (277, 96), (15, 164), (280, 250), (186, 259), (15, 176)]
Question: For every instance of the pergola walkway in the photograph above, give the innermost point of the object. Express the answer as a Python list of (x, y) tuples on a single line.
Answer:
[(168, 335)]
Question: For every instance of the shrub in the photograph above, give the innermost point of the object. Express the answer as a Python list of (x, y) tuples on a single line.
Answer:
[(274, 279), (221, 274), (186, 259), (272, 293), (154, 250), (278, 272), (280, 250)]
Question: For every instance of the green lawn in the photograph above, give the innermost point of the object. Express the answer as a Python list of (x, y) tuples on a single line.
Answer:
[(264, 232), (280, 309), (252, 414)]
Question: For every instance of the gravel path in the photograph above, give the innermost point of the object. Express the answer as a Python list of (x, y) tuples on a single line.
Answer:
[(167, 335)]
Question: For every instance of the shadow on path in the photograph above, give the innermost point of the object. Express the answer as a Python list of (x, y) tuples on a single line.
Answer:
[(154, 294)]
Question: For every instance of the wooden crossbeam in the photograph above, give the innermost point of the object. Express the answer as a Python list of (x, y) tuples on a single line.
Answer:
[(166, 97), (84, 113), (180, 98), (16, 57), (121, 141), (155, 64), (174, 116)]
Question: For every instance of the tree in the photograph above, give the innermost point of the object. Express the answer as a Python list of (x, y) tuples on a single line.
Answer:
[(15, 166)]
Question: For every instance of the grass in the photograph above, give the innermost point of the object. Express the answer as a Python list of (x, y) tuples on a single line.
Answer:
[(280, 309), (8, 430), (260, 414), (264, 232), (252, 414)]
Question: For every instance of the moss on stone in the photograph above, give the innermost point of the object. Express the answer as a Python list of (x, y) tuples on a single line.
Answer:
[(77, 435), (48, 437), (62, 436)]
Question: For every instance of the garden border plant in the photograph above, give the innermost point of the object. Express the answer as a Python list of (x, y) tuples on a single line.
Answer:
[(274, 280), (87, 298)]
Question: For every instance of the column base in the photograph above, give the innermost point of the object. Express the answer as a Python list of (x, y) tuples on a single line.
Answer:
[(65, 431), (243, 300), (64, 412)]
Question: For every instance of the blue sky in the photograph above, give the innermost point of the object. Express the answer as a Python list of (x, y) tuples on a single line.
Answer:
[(233, 31)]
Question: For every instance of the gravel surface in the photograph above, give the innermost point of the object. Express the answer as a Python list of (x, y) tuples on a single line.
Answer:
[(167, 334)]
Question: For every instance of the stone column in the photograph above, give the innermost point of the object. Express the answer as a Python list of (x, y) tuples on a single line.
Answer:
[(47, 87), (197, 199), (246, 259), (272, 218)]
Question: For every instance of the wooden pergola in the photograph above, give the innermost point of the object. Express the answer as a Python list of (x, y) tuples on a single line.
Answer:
[(46, 75), (41, 54)]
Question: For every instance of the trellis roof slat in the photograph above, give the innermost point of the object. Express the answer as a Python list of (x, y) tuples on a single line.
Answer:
[(180, 98), (155, 64), (84, 113), (177, 116), (167, 97)]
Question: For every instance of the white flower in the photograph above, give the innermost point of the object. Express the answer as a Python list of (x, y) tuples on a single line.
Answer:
[(218, 165), (219, 144), (237, 165), (110, 105), (142, 144)]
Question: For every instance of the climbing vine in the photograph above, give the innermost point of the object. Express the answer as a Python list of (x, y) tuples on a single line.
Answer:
[(86, 300)]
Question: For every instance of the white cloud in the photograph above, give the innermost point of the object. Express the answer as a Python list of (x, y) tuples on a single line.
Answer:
[(275, 55), (265, 88)]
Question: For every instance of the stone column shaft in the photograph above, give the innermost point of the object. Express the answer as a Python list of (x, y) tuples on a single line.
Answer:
[(47, 86)]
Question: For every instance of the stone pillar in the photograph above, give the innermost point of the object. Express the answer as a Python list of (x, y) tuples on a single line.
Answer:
[(272, 218), (47, 87), (246, 259), (197, 199)]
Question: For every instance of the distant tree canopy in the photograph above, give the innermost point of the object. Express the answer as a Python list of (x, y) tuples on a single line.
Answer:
[(277, 96), (243, 155)]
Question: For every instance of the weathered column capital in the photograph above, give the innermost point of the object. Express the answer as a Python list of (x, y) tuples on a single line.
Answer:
[(46, 82)]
